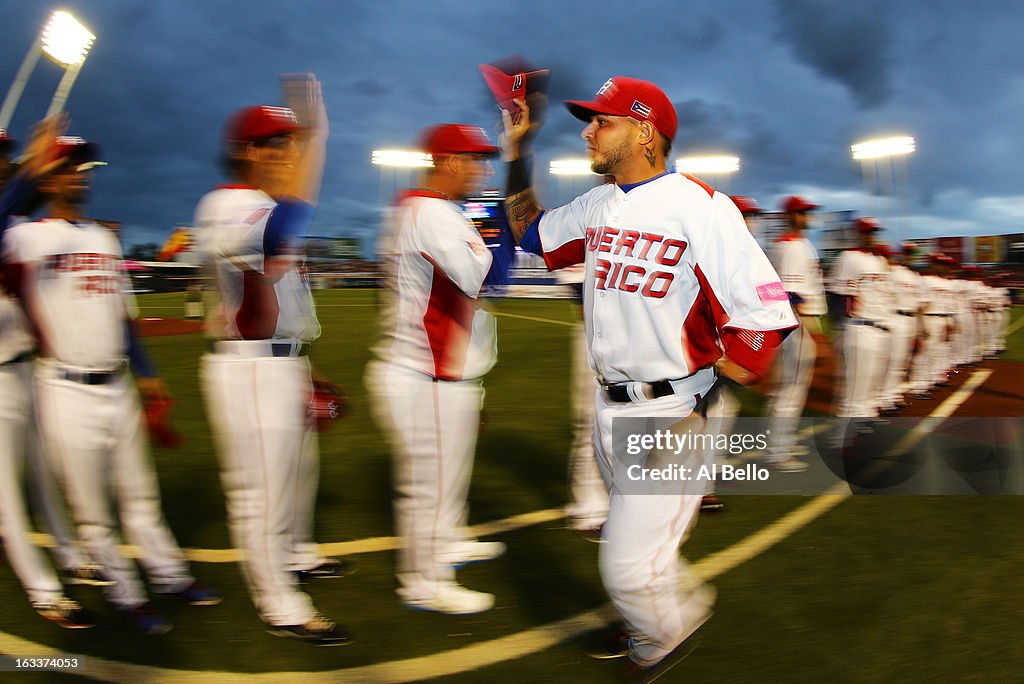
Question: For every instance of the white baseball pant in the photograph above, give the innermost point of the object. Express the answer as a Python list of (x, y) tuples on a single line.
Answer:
[(16, 425), (94, 436), (864, 347), (432, 426), (938, 328), (257, 409), (795, 363), (901, 340), (650, 584)]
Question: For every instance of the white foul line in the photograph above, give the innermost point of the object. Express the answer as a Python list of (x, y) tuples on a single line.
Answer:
[(345, 548)]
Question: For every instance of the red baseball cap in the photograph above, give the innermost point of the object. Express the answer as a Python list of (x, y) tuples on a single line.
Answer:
[(795, 204), (78, 151), (625, 96), (866, 224), (746, 205), (445, 139), (252, 124)]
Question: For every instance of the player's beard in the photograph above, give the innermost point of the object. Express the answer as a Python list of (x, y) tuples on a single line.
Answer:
[(608, 161)]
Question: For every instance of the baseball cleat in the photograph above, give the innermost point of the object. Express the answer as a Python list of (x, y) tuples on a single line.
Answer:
[(67, 613), (454, 599), (328, 568), (710, 503), (788, 465), (147, 620), (88, 574), (699, 605), (320, 631), (591, 534), (465, 552), (633, 672), (608, 643), (196, 594)]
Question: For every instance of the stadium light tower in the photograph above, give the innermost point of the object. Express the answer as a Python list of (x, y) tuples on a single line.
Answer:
[(566, 173), (65, 41), (393, 162), (886, 157), (714, 168), (409, 159)]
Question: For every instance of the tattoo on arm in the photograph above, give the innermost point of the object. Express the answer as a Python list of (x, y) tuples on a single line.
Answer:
[(521, 204), (522, 208), (649, 154)]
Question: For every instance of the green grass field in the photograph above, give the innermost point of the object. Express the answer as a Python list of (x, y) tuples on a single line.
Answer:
[(877, 589)]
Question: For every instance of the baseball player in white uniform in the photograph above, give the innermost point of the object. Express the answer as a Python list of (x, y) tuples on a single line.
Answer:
[(908, 302), (928, 365), (861, 278), (257, 379), (437, 343), (18, 439), (796, 261), (73, 288), (677, 292)]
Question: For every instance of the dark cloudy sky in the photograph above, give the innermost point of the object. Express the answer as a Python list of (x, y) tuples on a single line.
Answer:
[(785, 85)]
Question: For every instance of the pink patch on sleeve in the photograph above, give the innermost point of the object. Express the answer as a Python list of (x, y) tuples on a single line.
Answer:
[(772, 292)]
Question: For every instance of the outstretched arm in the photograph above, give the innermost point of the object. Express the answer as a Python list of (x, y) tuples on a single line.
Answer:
[(35, 164), (521, 203), (304, 94)]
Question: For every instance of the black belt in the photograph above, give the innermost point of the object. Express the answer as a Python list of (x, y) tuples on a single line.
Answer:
[(650, 390), (943, 315), (285, 349), (864, 321), (275, 349), (89, 377), (906, 313)]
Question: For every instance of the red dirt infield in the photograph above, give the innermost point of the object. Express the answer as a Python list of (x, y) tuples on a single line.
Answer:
[(163, 327)]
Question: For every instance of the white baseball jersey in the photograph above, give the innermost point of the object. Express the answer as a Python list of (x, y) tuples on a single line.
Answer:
[(907, 288), (672, 277), (942, 295), (796, 261), (439, 265), (231, 222), (865, 278), (79, 294)]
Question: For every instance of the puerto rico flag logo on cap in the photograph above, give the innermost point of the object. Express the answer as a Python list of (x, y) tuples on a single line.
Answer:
[(640, 108)]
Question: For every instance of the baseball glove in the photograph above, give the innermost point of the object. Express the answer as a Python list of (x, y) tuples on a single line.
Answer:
[(157, 410), (327, 403)]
